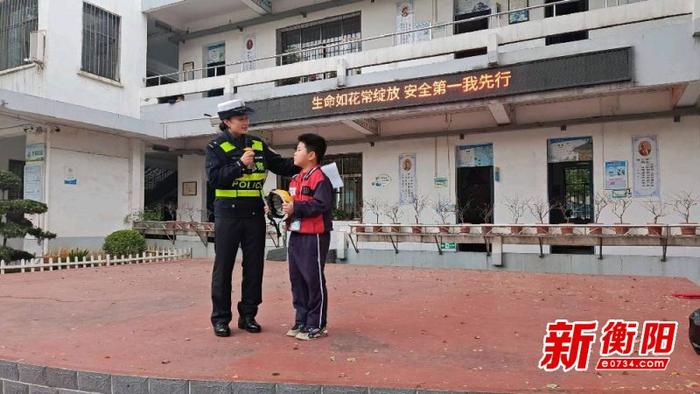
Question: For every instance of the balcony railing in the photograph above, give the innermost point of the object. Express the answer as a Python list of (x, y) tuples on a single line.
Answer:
[(496, 20), (501, 32)]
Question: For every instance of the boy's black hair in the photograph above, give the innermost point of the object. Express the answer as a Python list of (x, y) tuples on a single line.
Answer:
[(314, 143)]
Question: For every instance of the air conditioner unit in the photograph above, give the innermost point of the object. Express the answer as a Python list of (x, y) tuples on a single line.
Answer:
[(37, 47)]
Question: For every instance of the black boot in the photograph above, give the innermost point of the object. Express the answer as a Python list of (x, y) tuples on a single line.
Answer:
[(222, 330), (249, 324)]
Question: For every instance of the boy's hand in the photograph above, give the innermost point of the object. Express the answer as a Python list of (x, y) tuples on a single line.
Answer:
[(288, 208)]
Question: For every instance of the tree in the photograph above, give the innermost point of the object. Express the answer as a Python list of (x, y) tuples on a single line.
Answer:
[(375, 207), (600, 201), (517, 207), (539, 208), (619, 208), (684, 203), (657, 209), (418, 202), (13, 224), (393, 212), (443, 208)]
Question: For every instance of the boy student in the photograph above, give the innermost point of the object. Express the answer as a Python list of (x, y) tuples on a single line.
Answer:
[(309, 220)]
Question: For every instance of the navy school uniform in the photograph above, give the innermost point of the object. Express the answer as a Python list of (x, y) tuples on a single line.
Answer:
[(310, 224)]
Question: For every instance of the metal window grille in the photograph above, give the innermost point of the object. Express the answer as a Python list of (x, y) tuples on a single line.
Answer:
[(323, 34), (101, 31), (18, 18)]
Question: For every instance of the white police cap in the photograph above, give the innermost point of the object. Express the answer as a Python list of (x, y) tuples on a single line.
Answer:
[(235, 107)]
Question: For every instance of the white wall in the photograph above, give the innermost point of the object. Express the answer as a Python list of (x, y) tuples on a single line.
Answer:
[(190, 168), (59, 79), (377, 18), (522, 159), (106, 171)]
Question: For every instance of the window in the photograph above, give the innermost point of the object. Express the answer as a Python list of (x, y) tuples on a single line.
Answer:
[(348, 199), (216, 65), (18, 18), (100, 42), (322, 35)]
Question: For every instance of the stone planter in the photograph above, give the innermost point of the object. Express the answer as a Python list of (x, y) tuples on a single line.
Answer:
[(395, 228), (516, 229), (621, 229), (417, 229), (443, 229), (689, 229), (542, 229), (486, 230), (654, 229), (596, 229), (567, 229), (466, 229), (360, 229)]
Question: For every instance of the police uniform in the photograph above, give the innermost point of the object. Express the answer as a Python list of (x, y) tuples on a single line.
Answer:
[(239, 218)]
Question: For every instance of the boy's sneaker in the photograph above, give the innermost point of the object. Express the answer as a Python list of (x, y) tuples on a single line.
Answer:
[(295, 330), (312, 333)]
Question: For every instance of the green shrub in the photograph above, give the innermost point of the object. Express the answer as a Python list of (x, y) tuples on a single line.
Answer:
[(124, 243), (79, 253)]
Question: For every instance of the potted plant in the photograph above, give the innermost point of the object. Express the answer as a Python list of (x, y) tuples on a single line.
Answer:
[(461, 211), (486, 213), (619, 208), (683, 204), (566, 228), (540, 209), (517, 207), (418, 203), (443, 208), (657, 209), (600, 202), (393, 212)]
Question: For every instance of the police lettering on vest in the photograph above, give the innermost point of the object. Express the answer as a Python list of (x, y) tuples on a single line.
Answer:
[(251, 183)]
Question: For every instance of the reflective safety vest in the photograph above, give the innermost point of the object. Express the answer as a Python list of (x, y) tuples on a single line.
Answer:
[(252, 181)]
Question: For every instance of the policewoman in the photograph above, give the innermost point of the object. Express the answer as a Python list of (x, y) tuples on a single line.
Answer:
[(237, 165)]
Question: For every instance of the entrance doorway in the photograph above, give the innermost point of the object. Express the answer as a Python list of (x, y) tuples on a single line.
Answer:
[(475, 194), (570, 190)]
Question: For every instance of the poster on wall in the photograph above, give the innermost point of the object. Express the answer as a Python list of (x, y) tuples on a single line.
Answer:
[(34, 182), (423, 35), (407, 177), (474, 155), (216, 54), (69, 177), (35, 152), (248, 53), (404, 21), (646, 166), (561, 150), (616, 175)]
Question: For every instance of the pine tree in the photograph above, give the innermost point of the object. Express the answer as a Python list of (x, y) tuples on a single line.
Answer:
[(13, 223)]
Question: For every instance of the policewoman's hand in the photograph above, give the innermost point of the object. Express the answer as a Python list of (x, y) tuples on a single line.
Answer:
[(247, 158), (288, 208)]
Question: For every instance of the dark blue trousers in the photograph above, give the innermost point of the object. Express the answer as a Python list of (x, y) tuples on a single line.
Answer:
[(307, 259)]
